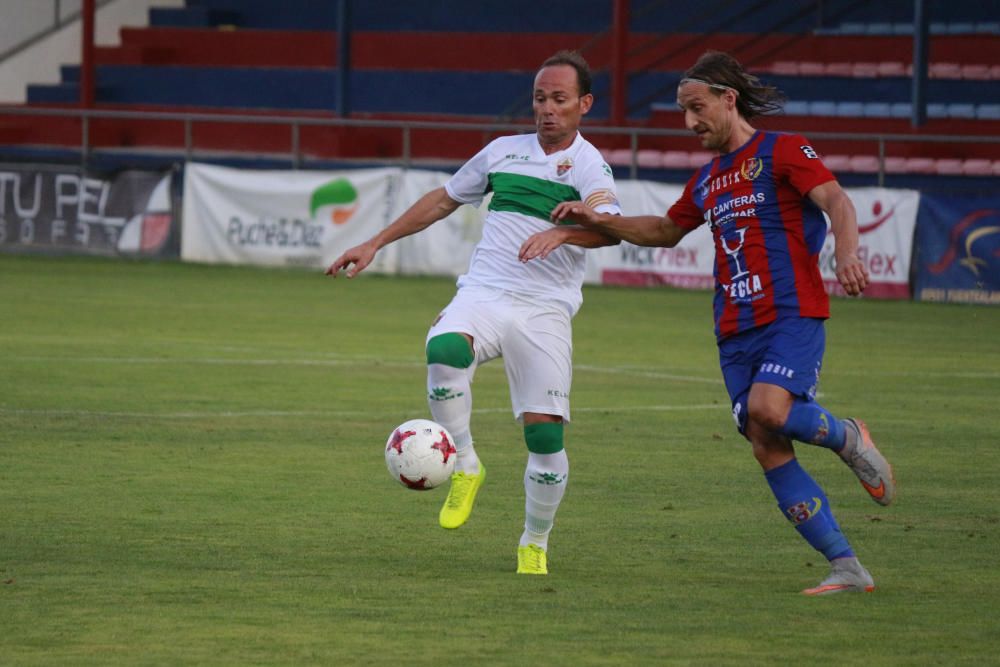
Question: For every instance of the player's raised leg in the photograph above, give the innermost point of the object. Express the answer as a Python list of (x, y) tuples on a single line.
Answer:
[(449, 395), (545, 478), (809, 422), (867, 462)]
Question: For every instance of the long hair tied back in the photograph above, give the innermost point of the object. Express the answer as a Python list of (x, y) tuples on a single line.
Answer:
[(720, 70)]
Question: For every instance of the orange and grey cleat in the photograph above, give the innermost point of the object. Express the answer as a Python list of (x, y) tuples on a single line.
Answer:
[(863, 457), (847, 575)]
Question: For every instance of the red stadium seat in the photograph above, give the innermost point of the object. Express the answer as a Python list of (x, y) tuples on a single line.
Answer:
[(891, 68), (976, 72), (649, 157), (812, 69), (895, 165), (977, 167), (948, 166), (786, 67), (864, 164), (619, 157), (864, 70), (839, 69), (676, 160), (698, 159), (837, 163), (920, 165)]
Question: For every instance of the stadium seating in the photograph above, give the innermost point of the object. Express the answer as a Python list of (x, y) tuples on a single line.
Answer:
[(843, 64)]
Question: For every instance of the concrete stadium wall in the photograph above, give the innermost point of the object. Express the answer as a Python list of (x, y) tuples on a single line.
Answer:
[(40, 62)]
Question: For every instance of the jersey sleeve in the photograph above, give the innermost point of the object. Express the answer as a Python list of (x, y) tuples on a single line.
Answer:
[(685, 213), (597, 186), (469, 184), (796, 161)]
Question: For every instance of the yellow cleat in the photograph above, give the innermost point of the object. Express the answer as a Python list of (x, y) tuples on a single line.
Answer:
[(461, 496), (531, 560)]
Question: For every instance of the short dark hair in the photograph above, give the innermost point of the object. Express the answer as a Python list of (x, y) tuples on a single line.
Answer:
[(753, 98), (576, 61)]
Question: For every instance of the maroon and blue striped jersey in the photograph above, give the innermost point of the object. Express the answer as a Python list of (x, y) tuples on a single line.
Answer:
[(767, 233)]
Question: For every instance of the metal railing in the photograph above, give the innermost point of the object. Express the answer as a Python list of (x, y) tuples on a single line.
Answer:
[(407, 128)]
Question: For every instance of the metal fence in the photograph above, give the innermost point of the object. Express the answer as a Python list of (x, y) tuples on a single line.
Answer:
[(407, 129)]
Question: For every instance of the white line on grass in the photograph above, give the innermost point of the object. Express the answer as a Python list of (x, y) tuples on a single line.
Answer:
[(353, 361), (336, 360), (237, 414)]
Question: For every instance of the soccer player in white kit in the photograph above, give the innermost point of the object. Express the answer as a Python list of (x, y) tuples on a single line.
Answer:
[(508, 308)]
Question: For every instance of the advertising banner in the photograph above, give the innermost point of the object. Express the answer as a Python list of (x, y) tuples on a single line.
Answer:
[(284, 218), (445, 247), (58, 210), (687, 265), (958, 250), (886, 220)]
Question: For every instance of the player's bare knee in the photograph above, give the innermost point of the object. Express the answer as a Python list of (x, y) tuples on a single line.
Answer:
[(767, 414)]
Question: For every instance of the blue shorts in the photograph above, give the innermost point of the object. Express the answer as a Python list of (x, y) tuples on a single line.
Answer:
[(787, 352)]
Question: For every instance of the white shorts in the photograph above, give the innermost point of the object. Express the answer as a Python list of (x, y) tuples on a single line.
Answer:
[(534, 339)]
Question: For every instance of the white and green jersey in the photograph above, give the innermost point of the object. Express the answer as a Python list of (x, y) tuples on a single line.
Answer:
[(526, 185)]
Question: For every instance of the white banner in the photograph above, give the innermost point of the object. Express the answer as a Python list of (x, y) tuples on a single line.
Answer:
[(445, 247), (284, 218), (308, 218), (886, 222)]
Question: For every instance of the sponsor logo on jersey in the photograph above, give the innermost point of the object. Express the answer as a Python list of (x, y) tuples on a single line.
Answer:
[(778, 369), (751, 168)]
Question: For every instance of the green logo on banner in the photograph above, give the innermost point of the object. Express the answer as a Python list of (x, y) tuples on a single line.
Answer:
[(338, 196)]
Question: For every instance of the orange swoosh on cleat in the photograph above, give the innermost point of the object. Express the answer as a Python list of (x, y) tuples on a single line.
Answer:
[(829, 588), (875, 491)]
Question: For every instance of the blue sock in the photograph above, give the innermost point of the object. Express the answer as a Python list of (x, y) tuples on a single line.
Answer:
[(809, 422), (803, 503)]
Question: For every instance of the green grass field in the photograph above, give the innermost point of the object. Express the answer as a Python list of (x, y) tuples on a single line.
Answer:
[(191, 472)]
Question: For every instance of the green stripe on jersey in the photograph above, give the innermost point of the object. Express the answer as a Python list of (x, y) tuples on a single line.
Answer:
[(528, 195)]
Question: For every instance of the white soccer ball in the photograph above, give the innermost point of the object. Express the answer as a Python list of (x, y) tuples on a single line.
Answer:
[(420, 454)]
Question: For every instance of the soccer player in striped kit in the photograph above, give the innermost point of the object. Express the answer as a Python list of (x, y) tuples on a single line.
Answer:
[(505, 308), (763, 197)]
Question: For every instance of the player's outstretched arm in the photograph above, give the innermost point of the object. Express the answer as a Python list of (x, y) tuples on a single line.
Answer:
[(851, 271), (541, 244), (427, 210), (644, 230)]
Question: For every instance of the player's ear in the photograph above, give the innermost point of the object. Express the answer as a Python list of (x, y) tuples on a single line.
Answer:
[(586, 101), (730, 95)]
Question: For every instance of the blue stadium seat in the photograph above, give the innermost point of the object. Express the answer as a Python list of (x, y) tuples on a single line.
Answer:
[(900, 110), (961, 110), (797, 108), (877, 110), (988, 111), (937, 110), (851, 109), (822, 108)]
